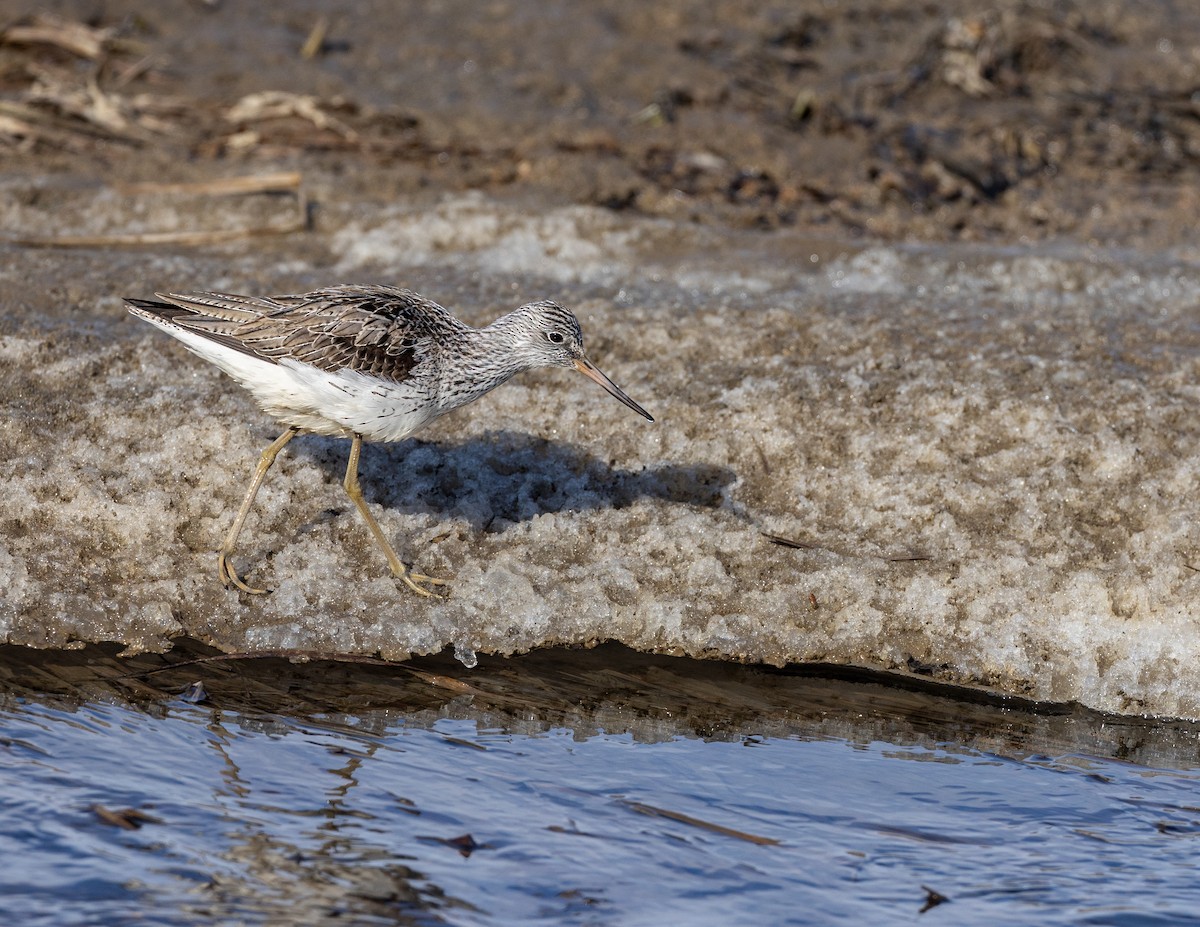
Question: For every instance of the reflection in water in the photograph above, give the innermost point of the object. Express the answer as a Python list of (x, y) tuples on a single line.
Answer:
[(595, 786), (295, 840)]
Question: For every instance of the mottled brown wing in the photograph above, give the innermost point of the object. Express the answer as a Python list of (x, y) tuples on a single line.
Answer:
[(380, 331)]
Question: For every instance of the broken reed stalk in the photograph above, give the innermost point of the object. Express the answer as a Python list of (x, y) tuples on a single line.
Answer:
[(73, 37), (316, 38), (283, 182), (654, 811)]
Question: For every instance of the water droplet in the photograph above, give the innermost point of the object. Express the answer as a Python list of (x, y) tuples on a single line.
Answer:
[(466, 656)]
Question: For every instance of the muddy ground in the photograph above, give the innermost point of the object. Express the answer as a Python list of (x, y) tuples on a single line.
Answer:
[(1017, 120)]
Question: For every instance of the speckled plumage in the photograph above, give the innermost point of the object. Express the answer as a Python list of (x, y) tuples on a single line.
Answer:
[(362, 362)]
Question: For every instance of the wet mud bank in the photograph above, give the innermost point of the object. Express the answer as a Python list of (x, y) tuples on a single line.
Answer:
[(879, 443), (972, 464)]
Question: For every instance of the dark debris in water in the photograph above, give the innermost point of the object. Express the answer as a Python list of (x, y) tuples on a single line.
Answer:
[(681, 818), (933, 898), (124, 818), (465, 844)]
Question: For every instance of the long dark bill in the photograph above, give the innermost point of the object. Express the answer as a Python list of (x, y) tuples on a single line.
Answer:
[(592, 372)]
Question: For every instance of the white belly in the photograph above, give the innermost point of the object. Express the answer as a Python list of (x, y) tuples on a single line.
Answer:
[(337, 404)]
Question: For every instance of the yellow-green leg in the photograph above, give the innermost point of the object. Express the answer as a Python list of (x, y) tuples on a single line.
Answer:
[(224, 567), (399, 570)]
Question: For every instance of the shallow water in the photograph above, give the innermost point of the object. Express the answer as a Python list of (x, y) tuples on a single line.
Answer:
[(600, 787)]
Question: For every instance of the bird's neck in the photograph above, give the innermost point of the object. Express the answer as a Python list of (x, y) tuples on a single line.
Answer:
[(491, 356), (506, 341)]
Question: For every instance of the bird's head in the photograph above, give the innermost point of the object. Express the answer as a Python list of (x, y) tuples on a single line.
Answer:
[(550, 336)]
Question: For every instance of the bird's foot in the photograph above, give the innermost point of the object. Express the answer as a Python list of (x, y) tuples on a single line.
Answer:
[(417, 582), (229, 576)]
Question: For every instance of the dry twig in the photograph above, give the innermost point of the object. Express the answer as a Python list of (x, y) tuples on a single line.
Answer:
[(74, 37), (290, 182)]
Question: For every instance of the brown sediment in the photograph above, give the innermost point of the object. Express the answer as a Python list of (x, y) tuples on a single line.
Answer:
[(937, 121)]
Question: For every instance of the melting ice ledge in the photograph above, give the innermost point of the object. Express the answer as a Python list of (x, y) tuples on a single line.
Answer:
[(986, 462)]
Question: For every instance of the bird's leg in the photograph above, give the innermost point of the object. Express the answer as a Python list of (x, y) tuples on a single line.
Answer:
[(224, 567), (399, 570)]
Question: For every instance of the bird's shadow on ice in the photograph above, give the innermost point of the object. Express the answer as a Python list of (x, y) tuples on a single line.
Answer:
[(504, 477)]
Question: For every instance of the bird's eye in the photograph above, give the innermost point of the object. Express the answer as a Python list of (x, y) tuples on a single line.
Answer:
[(555, 337)]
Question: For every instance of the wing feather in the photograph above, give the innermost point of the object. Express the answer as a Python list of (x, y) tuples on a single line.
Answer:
[(378, 330)]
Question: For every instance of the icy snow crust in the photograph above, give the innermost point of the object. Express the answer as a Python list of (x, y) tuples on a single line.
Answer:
[(986, 459)]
